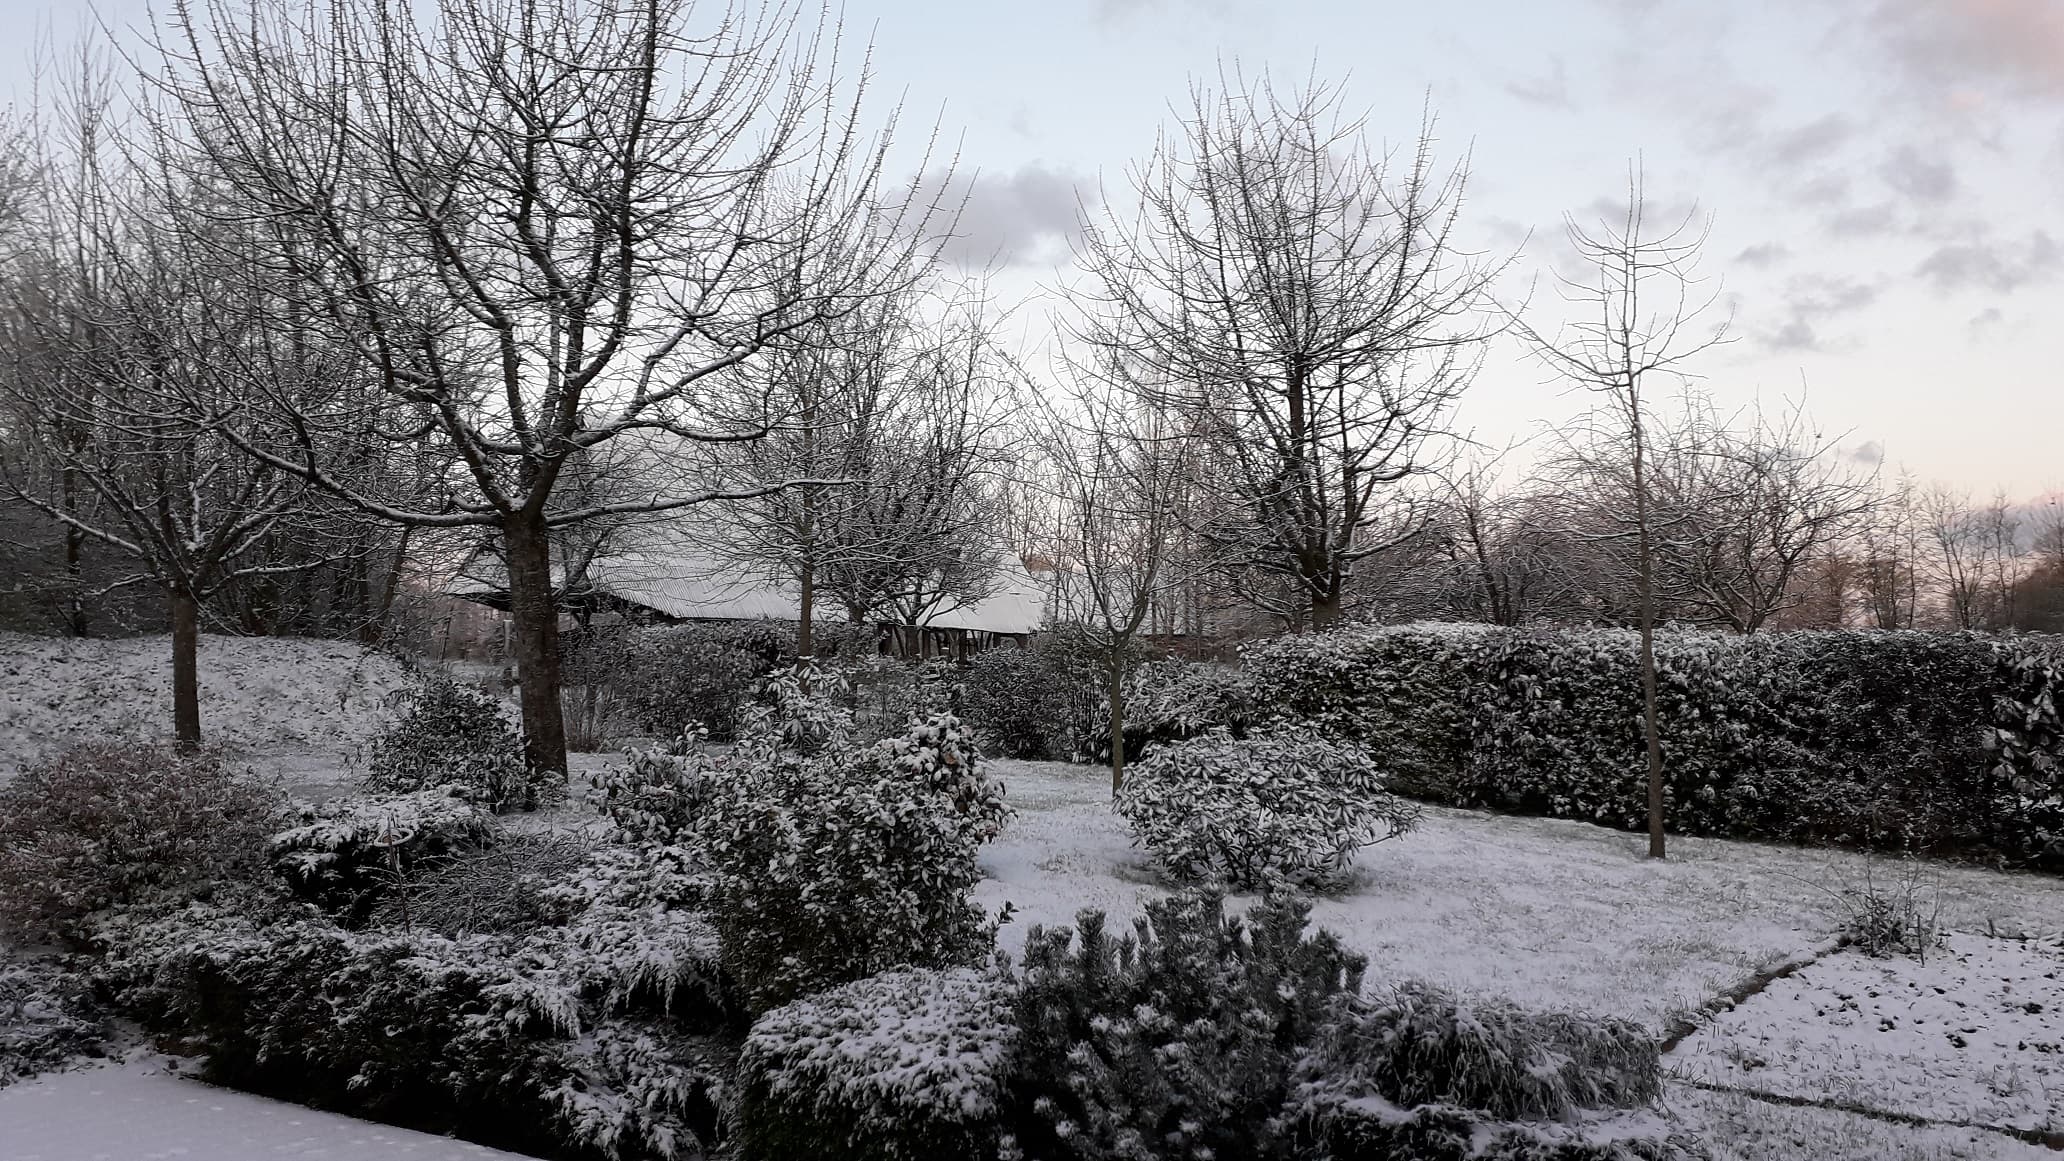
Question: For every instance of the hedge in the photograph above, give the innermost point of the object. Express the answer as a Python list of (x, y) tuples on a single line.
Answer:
[(1944, 743)]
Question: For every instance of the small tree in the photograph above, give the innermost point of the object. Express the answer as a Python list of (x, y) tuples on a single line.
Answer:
[(1635, 319)]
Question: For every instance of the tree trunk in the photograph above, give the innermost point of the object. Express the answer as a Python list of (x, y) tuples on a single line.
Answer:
[(1117, 695), (534, 640), (1644, 581), (805, 633), (1325, 611), (186, 670)]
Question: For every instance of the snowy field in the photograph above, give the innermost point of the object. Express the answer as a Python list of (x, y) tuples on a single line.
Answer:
[(1549, 913)]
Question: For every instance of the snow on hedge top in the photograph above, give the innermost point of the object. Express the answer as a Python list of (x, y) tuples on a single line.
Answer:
[(256, 692), (911, 1041)]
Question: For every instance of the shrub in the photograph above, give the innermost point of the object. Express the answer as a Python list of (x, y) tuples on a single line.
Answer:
[(699, 675), (494, 888), (903, 1066), (456, 735), (1425, 1075), (347, 852), (587, 1038), (48, 1016), (1244, 811), (831, 861), (103, 824), (1177, 1041), (1017, 704)]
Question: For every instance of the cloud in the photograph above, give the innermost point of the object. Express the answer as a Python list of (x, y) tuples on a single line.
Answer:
[(1549, 92), (1985, 322), (1763, 254), (1862, 221), (1960, 48), (1809, 142), (1108, 12), (1870, 453), (1021, 218), (1918, 178), (1811, 300), (1984, 263)]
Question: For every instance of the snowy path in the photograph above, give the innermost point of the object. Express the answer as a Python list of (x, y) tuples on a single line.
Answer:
[(137, 1112)]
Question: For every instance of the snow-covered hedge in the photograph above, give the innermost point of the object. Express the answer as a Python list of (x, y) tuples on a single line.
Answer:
[(102, 824), (1242, 811), (346, 852), (830, 861), (903, 1066), (1944, 742), (455, 734), (48, 1017)]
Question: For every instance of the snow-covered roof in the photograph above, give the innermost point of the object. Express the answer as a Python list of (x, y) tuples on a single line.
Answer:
[(691, 587)]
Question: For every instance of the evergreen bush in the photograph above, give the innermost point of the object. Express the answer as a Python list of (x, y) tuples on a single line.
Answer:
[(457, 735)]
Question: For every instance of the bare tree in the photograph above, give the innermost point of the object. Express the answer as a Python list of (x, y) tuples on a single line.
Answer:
[(1296, 300), (1635, 319), (1122, 468), (122, 346), (540, 226), (1889, 565)]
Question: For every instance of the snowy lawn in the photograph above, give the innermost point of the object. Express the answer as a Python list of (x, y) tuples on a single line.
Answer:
[(286, 705), (139, 1112), (1547, 912), (1974, 1034)]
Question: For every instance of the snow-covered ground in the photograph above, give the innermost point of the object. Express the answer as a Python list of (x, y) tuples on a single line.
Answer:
[(1559, 914), (289, 706), (1973, 1033), (141, 1112)]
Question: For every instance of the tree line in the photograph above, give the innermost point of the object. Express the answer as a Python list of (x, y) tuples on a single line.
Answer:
[(304, 302)]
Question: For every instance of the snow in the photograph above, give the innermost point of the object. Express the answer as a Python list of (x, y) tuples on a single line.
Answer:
[(296, 707), (141, 1112), (1546, 912), (1975, 1033)]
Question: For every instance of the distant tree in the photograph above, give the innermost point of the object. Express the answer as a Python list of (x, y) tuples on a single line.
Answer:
[(539, 226), (1297, 301)]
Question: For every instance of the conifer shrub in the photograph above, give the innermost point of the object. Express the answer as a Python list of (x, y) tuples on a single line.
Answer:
[(454, 734), (1247, 811), (1177, 1040), (907, 1065), (104, 824)]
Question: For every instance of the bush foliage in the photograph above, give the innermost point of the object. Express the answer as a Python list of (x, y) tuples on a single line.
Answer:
[(103, 824), (455, 734), (1246, 811), (907, 1065), (1944, 742), (347, 852)]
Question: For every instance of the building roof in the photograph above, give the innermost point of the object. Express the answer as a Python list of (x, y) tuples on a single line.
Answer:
[(691, 587)]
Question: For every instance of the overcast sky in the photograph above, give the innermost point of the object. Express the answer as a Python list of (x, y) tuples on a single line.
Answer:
[(1886, 177)]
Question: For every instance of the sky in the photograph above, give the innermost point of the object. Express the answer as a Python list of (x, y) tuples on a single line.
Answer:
[(1884, 178)]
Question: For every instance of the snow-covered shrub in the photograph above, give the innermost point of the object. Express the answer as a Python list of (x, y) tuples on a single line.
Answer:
[(48, 1016), (1017, 704), (1242, 811), (457, 735), (655, 796), (1420, 1073), (498, 887), (904, 1066), (584, 1037), (830, 861), (699, 675), (103, 824), (1177, 1041), (343, 854)]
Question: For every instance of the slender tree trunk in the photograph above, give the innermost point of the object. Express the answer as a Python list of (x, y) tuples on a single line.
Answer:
[(1325, 610), (186, 669), (75, 550), (1117, 706), (534, 640), (1644, 583)]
